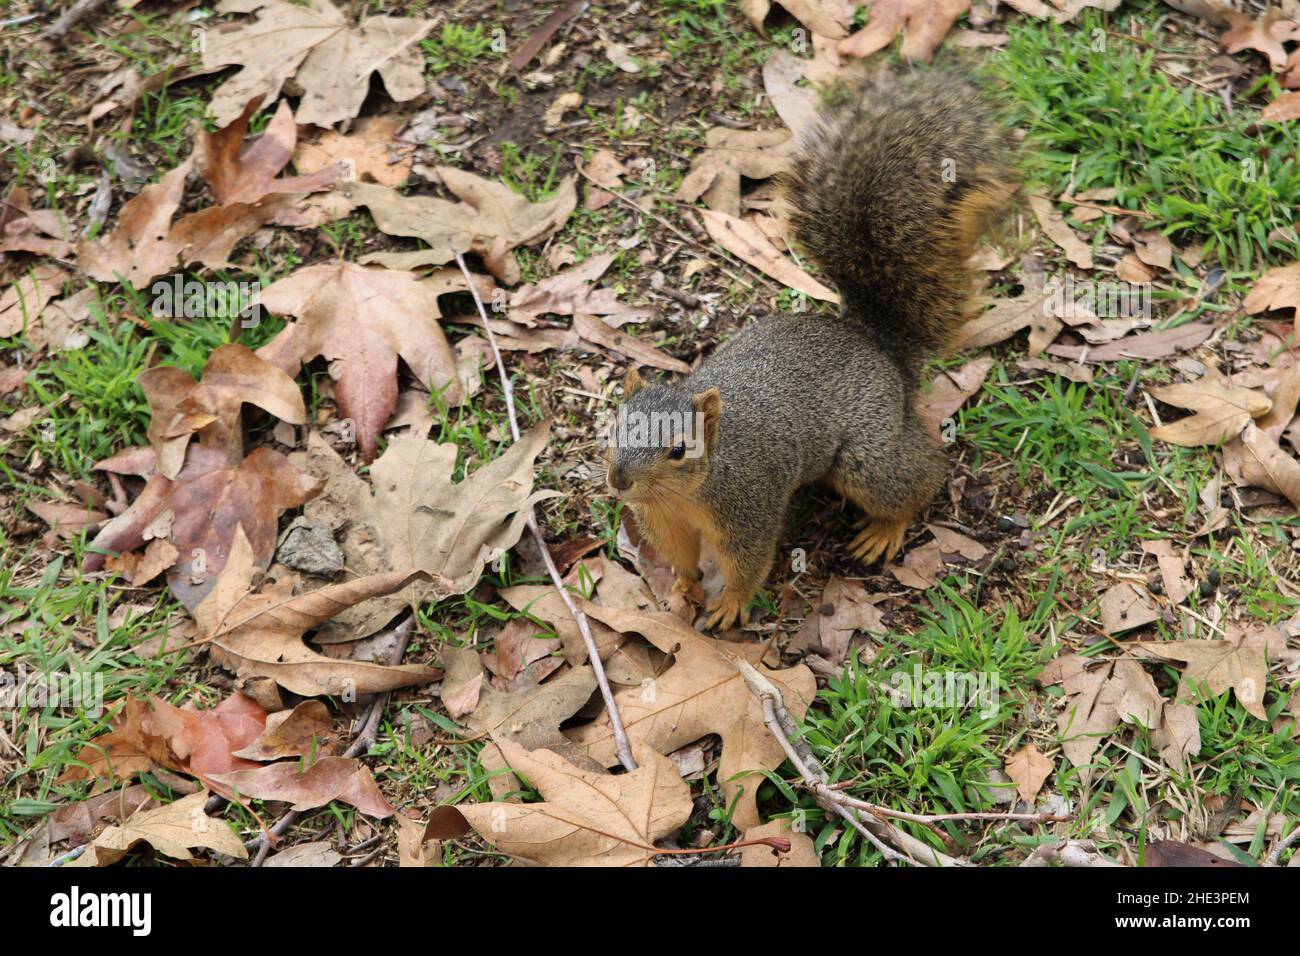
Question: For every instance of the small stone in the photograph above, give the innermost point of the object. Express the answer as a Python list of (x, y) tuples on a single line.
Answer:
[(311, 549)]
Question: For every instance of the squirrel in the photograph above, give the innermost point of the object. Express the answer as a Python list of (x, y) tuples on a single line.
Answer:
[(888, 192)]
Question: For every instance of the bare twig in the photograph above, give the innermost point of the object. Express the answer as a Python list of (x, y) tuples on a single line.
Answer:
[(1275, 857), (1069, 853), (76, 13), (800, 755), (622, 746)]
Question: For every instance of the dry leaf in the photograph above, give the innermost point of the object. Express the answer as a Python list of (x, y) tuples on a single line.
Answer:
[(813, 14), (418, 517), (796, 105), (22, 303), (802, 853), (1055, 228), (1286, 107), (593, 329), (701, 693), (924, 24), (1125, 606), (360, 320), (532, 718), (172, 830), (1148, 345), (315, 44), (209, 498), (364, 153), (1028, 769), (490, 220), (1239, 664), (573, 291), (845, 610), (42, 232), (345, 779), (586, 818), (1258, 460), (146, 243), (949, 391), (246, 179), (1221, 412), (747, 242), (728, 155), (1264, 35), (1278, 288), (1030, 309), (261, 634), (1173, 573), (181, 407), (66, 520)]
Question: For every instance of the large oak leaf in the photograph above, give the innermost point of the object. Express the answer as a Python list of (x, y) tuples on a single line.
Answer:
[(703, 692), (417, 517)]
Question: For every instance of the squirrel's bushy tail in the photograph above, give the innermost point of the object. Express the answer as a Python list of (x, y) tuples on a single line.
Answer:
[(889, 193)]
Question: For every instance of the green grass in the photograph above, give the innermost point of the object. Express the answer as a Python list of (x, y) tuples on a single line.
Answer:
[(457, 46), (921, 756), (1110, 117)]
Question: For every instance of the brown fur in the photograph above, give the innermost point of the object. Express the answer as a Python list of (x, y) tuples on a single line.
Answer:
[(797, 399)]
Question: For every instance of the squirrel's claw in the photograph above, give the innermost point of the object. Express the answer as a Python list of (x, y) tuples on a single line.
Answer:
[(879, 539), (726, 609)]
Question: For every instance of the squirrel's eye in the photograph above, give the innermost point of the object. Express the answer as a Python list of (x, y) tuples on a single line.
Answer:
[(678, 451)]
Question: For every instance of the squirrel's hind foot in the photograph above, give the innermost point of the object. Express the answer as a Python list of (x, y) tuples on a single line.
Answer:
[(725, 610), (880, 538)]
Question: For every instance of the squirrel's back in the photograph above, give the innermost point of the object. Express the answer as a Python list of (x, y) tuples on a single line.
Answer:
[(889, 193)]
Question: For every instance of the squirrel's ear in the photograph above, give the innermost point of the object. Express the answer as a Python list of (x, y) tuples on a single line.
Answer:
[(632, 383), (709, 404)]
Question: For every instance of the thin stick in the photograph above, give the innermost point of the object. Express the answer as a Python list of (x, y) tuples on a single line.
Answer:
[(1275, 858), (622, 746), (78, 12)]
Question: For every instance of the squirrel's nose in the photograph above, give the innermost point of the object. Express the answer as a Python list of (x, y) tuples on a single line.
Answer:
[(617, 477)]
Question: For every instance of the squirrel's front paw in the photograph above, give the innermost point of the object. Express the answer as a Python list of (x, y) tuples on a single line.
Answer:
[(683, 587), (879, 539), (725, 610)]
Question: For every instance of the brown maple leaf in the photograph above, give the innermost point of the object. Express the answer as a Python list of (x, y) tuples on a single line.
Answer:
[(185, 739), (418, 517), (210, 407), (1264, 35), (490, 220), (585, 818), (924, 24), (235, 178), (146, 243), (360, 320), (209, 499), (703, 692), (43, 232), (315, 44)]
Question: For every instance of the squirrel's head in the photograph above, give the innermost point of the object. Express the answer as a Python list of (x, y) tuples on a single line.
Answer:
[(661, 442)]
